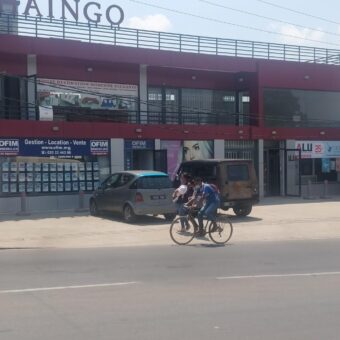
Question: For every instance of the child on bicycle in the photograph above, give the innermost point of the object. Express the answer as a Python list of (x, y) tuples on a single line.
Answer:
[(181, 196)]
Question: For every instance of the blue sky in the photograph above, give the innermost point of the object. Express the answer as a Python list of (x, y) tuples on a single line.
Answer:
[(283, 23)]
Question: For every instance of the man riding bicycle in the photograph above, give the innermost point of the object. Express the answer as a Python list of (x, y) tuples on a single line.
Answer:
[(208, 194)]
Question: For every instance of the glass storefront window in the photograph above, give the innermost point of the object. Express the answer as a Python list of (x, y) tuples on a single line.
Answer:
[(300, 108), (48, 166), (40, 175), (191, 106), (312, 169)]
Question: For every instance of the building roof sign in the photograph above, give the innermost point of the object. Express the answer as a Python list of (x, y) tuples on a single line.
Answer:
[(92, 11)]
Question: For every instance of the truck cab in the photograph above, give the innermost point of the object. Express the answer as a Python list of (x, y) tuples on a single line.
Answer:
[(236, 180)]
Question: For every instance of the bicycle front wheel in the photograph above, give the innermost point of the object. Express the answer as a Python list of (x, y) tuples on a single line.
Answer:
[(178, 234), (221, 232)]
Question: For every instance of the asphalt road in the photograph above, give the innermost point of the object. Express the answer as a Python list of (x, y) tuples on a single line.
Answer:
[(287, 290)]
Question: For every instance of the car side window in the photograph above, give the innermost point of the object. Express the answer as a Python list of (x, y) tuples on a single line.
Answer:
[(124, 179), (112, 181)]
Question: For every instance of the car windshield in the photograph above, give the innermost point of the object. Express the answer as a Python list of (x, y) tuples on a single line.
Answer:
[(154, 182)]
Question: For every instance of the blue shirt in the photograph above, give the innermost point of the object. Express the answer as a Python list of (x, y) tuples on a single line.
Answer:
[(210, 194)]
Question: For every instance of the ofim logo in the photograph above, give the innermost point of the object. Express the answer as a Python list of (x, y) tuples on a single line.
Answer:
[(99, 147), (9, 147), (11, 143)]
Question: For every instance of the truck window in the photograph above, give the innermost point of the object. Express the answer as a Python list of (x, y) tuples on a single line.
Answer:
[(238, 172), (204, 170)]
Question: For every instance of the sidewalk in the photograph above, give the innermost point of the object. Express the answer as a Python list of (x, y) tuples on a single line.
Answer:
[(273, 220)]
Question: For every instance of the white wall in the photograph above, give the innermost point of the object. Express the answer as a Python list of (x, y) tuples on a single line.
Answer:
[(143, 92), (261, 167), (117, 155), (31, 93), (219, 149)]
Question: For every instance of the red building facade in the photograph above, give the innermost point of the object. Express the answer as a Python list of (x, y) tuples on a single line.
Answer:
[(150, 100)]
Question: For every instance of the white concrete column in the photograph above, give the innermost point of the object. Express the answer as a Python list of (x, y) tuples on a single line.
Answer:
[(157, 144), (31, 86), (282, 168), (117, 154), (292, 170), (219, 149), (143, 93), (261, 167)]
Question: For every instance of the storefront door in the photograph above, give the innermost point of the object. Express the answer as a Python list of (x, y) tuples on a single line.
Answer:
[(272, 172), (161, 160)]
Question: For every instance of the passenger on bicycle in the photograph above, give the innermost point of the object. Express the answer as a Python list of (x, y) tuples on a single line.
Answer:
[(209, 195), (181, 196)]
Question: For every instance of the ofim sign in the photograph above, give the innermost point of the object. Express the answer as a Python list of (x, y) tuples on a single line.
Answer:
[(92, 11)]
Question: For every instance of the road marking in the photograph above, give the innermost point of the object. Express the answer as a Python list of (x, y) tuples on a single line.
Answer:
[(30, 290), (275, 275)]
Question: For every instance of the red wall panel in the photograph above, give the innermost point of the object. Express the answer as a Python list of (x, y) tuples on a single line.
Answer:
[(13, 64), (294, 75), (73, 69)]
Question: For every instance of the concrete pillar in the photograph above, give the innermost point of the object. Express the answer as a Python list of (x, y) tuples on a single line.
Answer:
[(31, 86), (143, 93), (292, 170), (157, 144), (219, 149), (282, 168), (261, 167), (117, 155)]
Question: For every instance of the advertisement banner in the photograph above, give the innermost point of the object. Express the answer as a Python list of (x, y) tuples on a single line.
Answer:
[(94, 95), (173, 148), (202, 149), (49, 147), (179, 151), (326, 165), (311, 149), (318, 149)]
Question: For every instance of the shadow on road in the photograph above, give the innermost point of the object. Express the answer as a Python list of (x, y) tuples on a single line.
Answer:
[(146, 220), (246, 219)]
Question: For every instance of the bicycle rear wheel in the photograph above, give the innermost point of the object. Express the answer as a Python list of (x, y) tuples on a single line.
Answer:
[(180, 236), (222, 231)]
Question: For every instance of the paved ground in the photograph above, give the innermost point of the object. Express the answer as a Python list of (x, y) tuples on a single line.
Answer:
[(274, 220), (273, 290)]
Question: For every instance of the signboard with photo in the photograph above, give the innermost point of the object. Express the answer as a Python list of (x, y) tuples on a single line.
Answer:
[(94, 95)]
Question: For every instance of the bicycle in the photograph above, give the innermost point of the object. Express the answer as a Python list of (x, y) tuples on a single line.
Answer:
[(219, 231)]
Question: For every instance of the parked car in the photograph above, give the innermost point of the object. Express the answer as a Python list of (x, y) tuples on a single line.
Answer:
[(134, 193), (236, 180)]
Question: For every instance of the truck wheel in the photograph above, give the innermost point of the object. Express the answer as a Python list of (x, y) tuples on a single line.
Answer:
[(244, 210)]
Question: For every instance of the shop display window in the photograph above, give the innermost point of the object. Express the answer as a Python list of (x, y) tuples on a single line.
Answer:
[(40, 175)]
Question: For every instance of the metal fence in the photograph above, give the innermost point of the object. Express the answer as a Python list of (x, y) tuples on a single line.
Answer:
[(120, 36)]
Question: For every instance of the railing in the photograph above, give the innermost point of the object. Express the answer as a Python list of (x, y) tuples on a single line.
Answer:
[(119, 36), (72, 114)]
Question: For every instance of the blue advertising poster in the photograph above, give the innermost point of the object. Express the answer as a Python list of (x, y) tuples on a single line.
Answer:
[(49, 147), (326, 165)]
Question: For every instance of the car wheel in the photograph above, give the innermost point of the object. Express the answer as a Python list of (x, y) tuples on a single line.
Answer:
[(128, 214), (170, 216), (94, 208), (244, 210)]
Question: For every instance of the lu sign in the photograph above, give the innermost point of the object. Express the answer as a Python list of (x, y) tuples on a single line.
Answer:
[(114, 13)]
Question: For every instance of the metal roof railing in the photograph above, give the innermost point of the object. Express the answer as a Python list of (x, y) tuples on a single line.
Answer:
[(120, 36)]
